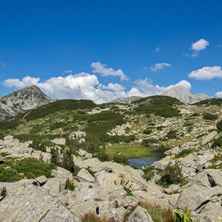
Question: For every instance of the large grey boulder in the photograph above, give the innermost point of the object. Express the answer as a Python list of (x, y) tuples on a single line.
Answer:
[(55, 185), (202, 195), (61, 173), (31, 203), (209, 137), (84, 175), (140, 215)]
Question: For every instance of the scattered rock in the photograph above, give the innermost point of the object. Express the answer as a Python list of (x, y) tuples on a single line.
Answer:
[(41, 180), (61, 173), (140, 215), (84, 175), (55, 185)]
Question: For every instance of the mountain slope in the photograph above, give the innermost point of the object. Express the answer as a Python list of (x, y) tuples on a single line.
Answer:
[(22, 100), (185, 96), (126, 100)]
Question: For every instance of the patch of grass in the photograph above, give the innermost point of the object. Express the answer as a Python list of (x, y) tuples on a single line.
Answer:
[(158, 105), (172, 134), (147, 131), (218, 142), (187, 124), (209, 116), (184, 153), (129, 192), (70, 185), (219, 125), (66, 104), (130, 151), (33, 168), (149, 173), (92, 217)]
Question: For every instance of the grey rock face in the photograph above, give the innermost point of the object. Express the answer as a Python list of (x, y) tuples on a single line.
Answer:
[(41, 180), (22, 100), (55, 185), (31, 203), (185, 96), (140, 215)]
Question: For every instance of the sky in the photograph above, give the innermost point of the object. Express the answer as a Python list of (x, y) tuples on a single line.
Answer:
[(102, 49)]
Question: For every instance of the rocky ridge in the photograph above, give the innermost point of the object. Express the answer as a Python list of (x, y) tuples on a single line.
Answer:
[(185, 96), (21, 101)]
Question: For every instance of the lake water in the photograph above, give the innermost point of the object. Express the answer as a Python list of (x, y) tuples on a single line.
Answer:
[(156, 155)]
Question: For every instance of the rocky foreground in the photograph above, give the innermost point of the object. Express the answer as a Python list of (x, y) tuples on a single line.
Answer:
[(104, 191)]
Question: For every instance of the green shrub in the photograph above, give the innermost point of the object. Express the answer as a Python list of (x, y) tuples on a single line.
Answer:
[(184, 216), (172, 174), (209, 116), (219, 125), (172, 134), (158, 105), (147, 131), (34, 168), (128, 191), (70, 185), (184, 153), (218, 142), (119, 158), (148, 142), (8, 175)]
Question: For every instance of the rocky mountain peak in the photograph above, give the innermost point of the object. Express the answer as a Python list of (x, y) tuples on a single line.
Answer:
[(22, 100), (184, 95)]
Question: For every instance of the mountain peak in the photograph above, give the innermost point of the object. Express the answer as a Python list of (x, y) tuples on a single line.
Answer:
[(22, 100), (184, 95)]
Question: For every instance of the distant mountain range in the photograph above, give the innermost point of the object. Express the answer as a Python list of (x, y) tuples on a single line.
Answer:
[(177, 92), (22, 100), (32, 97), (185, 96)]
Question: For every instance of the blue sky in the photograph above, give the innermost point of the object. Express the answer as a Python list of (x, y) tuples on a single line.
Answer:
[(101, 50)]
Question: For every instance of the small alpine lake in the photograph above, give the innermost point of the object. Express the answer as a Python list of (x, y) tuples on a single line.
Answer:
[(155, 155)]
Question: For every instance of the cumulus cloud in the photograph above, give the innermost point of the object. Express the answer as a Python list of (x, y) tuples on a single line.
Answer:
[(159, 66), (198, 46), (114, 87), (78, 86), (146, 88), (104, 71), (219, 94), (26, 81), (207, 73)]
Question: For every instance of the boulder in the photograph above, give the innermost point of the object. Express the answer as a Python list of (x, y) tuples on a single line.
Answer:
[(59, 141), (55, 185), (41, 180), (140, 215), (32, 203), (209, 137), (84, 175), (61, 173)]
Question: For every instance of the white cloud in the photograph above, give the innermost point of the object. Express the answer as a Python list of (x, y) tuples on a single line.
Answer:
[(68, 71), (219, 46), (2, 63), (219, 94), (207, 73), (157, 49), (114, 87), (198, 46), (148, 89), (26, 81), (159, 66), (101, 69)]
